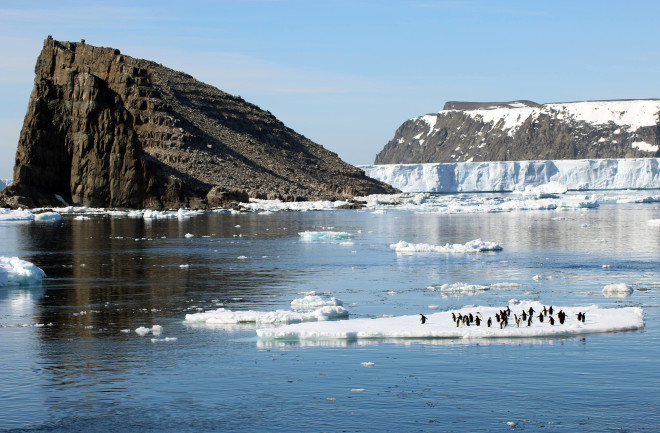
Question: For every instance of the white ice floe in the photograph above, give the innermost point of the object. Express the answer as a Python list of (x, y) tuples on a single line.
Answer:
[(155, 330), (323, 236), (313, 302), (620, 290), (48, 216), (16, 271), (222, 316), (301, 206), (189, 235), (16, 215), (462, 288), (475, 246), (442, 326), (655, 222)]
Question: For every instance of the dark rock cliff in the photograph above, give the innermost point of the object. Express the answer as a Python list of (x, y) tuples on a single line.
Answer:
[(105, 129), (524, 130)]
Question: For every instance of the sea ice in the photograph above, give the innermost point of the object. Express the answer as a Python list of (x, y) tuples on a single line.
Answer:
[(620, 290), (442, 326), (323, 236), (16, 271), (48, 216), (461, 288), (16, 215), (313, 302), (475, 246)]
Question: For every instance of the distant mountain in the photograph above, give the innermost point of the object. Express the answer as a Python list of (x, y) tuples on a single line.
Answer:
[(525, 130), (108, 130)]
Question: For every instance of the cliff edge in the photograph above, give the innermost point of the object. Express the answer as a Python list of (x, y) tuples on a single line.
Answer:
[(104, 129)]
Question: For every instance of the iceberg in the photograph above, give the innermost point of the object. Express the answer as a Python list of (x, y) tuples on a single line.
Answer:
[(222, 316), (16, 271), (475, 246), (324, 236), (508, 176), (441, 325)]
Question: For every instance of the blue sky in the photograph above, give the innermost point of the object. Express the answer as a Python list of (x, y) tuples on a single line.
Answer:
[(346, 74)]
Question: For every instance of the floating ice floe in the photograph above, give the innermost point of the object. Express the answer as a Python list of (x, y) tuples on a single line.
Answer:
[(16, 271), (475, 246), (309, 308), (620, 290), (155, 330), (442, 326), (48, 216), (655, 222), (324, 236), (304, 206), (313, 302), (16, 215), (462, 288)]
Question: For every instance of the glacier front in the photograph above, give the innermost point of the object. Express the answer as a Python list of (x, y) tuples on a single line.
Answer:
[(507, 176)]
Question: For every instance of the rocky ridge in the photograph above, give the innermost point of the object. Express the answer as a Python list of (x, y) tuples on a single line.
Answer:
[(107, 130), (524, 130)]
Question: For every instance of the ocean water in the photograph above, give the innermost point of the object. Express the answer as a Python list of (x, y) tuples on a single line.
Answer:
[(67, 362)]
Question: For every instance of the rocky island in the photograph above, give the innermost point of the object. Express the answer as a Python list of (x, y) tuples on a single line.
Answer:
[(104, 129), (524, 130)]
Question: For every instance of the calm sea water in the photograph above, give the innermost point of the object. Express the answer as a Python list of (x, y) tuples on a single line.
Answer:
[(80, 372)]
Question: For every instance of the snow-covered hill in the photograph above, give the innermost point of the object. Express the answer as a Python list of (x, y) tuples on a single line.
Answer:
[(524, 130), (586, 174)]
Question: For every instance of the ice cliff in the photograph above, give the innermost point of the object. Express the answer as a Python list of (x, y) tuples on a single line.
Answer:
[(584, 174)]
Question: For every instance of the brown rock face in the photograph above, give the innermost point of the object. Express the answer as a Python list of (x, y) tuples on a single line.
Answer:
[(104, 129)]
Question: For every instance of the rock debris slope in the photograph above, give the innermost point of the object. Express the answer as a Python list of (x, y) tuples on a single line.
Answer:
[(105, 129), (524, 130)]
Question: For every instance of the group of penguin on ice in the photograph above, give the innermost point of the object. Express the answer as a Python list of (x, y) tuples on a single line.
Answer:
[(503, 317)]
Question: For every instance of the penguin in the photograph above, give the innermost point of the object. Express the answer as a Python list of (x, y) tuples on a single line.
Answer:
[(508, 311), (453, 317), (524, 315), (545, 311), (541, 317), (458, 323), (477, 321), (497, 317), (562, 316), (529, 321), (479, 316), (515, 317), (550, 310), (471, 317), (490, 322), (531, 311), (579, 316), (422, 318), (584, 316), (552, 321)]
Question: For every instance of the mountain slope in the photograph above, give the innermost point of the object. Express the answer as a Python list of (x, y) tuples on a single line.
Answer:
[(524, 130)]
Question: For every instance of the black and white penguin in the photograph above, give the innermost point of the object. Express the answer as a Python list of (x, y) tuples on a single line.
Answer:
[(541, 317), (584, 316), (524, 315), (552, 321), (422, 318), (490, 322), (579, 316), (453, 317), (550, 309), (477, 321), (530, 311), (545, 311)]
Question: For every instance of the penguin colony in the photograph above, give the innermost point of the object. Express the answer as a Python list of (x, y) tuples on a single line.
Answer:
[(503, 317)]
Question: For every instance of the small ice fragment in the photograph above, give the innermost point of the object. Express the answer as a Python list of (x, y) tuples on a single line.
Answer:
[(357, 390), (241, 257), (142, 330), (536, 277), (331, 399), (367, 364), (189, 235), (156, 329), (125, 331), (607, 266), (511, 424), (184, 266), (620, 290), (434, 307)]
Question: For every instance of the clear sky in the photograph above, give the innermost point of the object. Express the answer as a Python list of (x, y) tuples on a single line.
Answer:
[(346, 74)]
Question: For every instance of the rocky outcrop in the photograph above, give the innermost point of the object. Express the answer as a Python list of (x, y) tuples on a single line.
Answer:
[(524, 130), (105, 129)]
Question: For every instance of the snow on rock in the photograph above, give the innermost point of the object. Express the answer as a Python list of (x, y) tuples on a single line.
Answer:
[(502, 176), (441, 326), (323, 236), (475, 246), (16, 271), (620, 290)]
